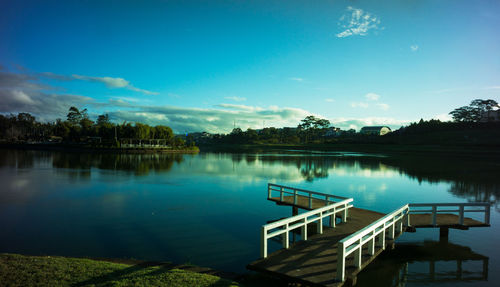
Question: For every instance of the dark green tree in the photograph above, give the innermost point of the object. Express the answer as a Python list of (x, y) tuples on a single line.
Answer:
[(474, 111)]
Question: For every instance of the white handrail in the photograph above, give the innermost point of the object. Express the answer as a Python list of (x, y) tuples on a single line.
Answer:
[(295, 192), (461, 210), (354, 243), (301, 221)]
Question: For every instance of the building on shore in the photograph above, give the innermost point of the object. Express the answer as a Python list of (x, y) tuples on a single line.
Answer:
[(375, 130)]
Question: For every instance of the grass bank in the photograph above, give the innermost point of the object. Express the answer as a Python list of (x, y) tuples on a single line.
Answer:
[(20, 270)]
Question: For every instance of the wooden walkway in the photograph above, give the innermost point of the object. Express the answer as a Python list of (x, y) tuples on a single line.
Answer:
[(314, 261)]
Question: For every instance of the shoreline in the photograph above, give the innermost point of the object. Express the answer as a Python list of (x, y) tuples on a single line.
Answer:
[(473, 151)]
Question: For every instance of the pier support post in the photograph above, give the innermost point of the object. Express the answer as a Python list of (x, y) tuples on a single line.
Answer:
[(295, 210), (443, 234)]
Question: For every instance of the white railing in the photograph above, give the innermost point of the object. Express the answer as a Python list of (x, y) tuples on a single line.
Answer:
[(354, 243), (436, 208), (284, 226), (296, 192)]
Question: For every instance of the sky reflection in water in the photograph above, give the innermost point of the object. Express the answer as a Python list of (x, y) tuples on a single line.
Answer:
[(207, 209)]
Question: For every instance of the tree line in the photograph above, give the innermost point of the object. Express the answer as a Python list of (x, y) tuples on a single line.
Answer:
[(79, 127)]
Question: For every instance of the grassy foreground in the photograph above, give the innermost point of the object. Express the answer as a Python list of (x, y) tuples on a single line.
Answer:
[(20, 270)]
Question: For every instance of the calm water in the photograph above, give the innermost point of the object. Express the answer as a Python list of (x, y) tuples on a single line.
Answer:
[(207, 209)]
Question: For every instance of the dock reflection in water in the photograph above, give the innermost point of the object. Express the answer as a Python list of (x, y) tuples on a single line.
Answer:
[(425, 263)]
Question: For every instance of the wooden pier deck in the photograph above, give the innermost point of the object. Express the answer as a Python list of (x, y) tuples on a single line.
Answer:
[(314, 261), (417, 220)]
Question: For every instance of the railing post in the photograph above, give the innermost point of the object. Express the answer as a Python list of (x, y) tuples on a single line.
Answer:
[(281, 194), (285, 238), (391, 230), (371, 245), (487, 214), (382, 239), (408, 217), (269, 191), (400, 226), (434, 215), (263, 242), (341, 262), (344, 213), (461, 215), (332, 218), (304, 230), (319, 228), (357, 255), (294, 196)]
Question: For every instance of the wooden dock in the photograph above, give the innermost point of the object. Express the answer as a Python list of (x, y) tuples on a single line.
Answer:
[(315, 261)]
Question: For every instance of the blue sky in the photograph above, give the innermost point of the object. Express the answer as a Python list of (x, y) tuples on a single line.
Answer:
[(203, 65)]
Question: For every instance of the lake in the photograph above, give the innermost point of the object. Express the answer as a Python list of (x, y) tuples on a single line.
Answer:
[(207, 209)]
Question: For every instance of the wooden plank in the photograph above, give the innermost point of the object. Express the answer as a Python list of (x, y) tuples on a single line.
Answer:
[(302, 202)]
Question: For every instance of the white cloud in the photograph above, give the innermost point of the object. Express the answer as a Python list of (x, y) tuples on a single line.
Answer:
[(329, 100), (443, 117), (357, 22), (358, 123), (297, 79), (238, 107), (383, 106), (414, 48), (372, 97), (236, 99), (211, 120), (22, 98), (114, 83), (359, 105), (110, 82)]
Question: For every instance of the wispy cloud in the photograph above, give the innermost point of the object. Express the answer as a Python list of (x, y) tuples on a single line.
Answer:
[(114, 83), (414, 48), (359, 105), (372, 97), (236, 99), (357, 22), (382, 106), (330, 100), (238, 107), (297, 79)]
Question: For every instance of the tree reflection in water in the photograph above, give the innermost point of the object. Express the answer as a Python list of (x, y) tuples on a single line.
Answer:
[(139, 164)]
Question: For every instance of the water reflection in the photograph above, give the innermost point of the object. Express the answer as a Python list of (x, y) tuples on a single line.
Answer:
[(474, 181), (430, 262), (158, 206)]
